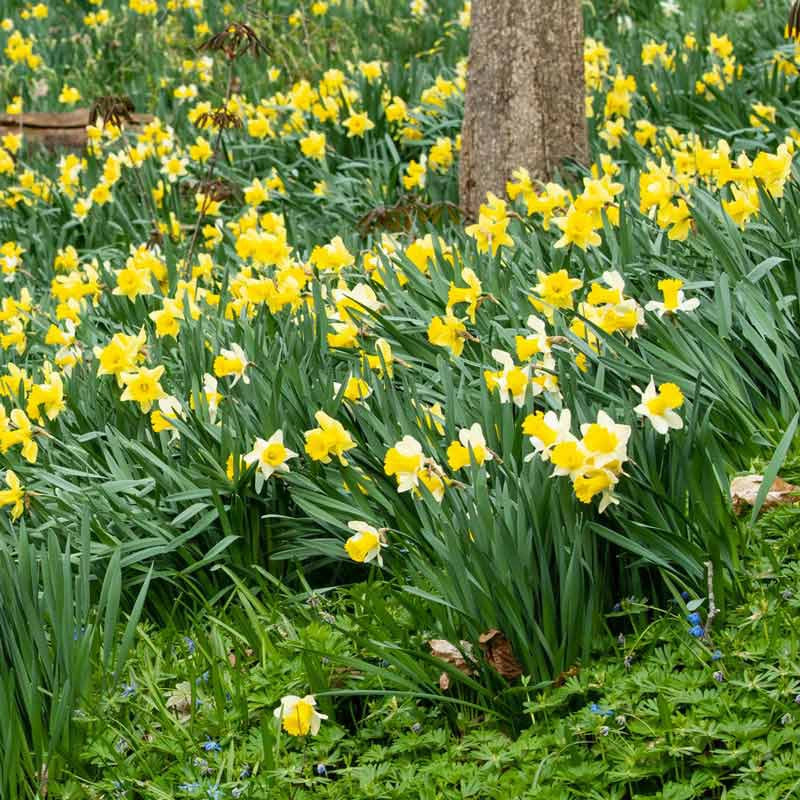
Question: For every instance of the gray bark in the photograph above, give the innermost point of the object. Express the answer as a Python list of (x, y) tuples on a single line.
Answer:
[(524, 105)]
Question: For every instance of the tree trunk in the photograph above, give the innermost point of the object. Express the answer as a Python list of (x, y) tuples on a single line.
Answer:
[(525, 94)]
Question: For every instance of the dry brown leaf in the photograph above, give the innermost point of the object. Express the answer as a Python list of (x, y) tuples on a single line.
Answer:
[(444, 650), (745, 489), (499, 654)]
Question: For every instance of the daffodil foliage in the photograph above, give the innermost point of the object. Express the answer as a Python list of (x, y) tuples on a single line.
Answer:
[(236, 332)]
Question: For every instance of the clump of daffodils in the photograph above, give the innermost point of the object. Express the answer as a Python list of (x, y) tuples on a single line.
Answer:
[(594, 463)]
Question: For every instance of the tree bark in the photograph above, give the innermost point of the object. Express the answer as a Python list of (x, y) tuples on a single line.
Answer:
[(524, 105)]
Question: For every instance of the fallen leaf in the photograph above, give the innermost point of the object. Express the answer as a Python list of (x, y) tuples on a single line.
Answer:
[(180, 701), (745, 488), (499, 654), (446, 651)]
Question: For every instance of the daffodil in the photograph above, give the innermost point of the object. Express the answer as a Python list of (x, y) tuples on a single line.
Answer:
[(546, 431), (674, 301), (356, 390), (470, 448), (365, 545), (554, 291), (329, 439), (232, 361), (511, 382), (404, 461), (593, 482), (605, 442), (659, 406), (22, 434), (14, 495), (358, 124), (469, 295), (448, 331), (120, 355), (569, 458), (299, 716), (143, 386), (271, 456)]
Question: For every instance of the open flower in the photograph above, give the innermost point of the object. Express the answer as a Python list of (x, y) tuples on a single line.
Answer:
[(298, 715), (659, 406), (143, 386), (672, 290), (169, 409), (14, 495), (546, 431), (356, 390), (365, 544), (593, 482), (329, 439), (232, 361), (470, 447), (271, 456), (606, 442), (404, 461), (511, 381)]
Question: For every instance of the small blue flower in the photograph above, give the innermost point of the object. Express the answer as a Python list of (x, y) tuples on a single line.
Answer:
[(210, 746), (191, 788), (129, 689), (684, 596), (718, 676), (716, 655), (189, 642), (694, 618), (245, 773), (321, 771), (696, 631), (214, 793)]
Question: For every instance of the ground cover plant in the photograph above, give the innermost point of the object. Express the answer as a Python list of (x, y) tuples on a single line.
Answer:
[(256, 368)]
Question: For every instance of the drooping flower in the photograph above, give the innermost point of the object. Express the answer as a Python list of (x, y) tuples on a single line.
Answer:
[(14, 495), (404, 461), (449, 332), (356, 390), (329, 439), (232, 361), (365, 545), (470, 448)]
